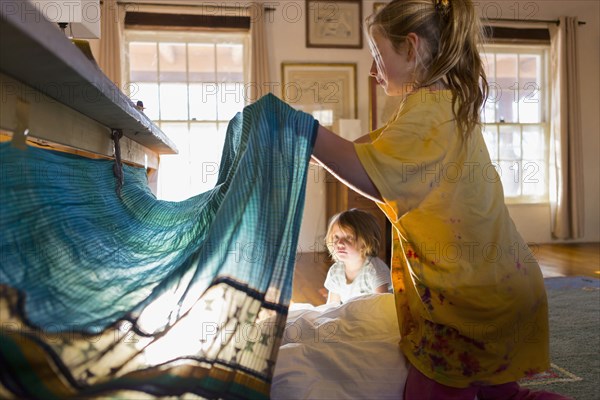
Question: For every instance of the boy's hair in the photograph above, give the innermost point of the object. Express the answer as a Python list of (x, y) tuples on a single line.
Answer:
[(363, 225), (451, 32)]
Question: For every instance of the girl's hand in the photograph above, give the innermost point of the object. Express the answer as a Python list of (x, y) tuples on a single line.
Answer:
[(333, 298)]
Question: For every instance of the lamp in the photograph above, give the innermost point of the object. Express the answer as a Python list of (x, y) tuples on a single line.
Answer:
[(77, 18), (349, 129)]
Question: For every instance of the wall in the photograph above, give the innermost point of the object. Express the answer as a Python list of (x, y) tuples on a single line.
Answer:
[(287, 43), (286, 33)]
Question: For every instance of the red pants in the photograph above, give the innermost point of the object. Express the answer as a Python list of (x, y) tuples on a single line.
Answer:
[(420, 387)]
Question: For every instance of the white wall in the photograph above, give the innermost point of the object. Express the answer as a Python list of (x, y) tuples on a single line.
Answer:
[(286, 31)]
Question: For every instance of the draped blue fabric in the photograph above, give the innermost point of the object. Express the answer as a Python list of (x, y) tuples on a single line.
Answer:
[(77, 259)]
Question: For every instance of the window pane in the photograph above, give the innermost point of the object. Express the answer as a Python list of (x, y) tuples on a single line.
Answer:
[(529, 89), (510, 143), (174, 172), (172, 62), (534, 143), (510, 174), (534, 179), (489, 65), (230, 63), (178, 133), (206, 146), (490, 135), (506, 79), (489, 110), (173, 101), (201, 62), (203, 101), (231, 100), (143, 62), (148, 93)]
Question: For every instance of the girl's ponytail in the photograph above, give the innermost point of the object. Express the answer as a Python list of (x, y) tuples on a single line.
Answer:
[(459, 61)]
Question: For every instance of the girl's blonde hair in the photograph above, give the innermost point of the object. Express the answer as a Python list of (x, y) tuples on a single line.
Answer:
[(451, 33), (362, 225)]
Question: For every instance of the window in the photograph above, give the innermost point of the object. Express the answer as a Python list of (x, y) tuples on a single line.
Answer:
[(191, 84), (515, 119)]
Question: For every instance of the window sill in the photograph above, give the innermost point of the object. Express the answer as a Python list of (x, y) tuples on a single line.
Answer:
[(520, 204)]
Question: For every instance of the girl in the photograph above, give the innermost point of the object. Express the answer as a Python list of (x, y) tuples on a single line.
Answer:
[(353, 239), (469, 295)]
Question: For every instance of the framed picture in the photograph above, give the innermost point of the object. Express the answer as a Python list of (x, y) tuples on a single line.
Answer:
[(325, 90), (382, 107), (334, 24)]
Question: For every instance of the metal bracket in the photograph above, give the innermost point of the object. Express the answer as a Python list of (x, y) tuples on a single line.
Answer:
[(19, 139)]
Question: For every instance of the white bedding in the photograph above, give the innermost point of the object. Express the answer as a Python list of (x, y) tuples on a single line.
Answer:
[(341, 352)]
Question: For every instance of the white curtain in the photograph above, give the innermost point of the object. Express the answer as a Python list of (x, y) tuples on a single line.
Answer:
[(566, 191), (260, 81), (112, 24)]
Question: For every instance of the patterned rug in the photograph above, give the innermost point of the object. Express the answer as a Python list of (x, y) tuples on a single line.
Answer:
[(553, 375), (574, 313)]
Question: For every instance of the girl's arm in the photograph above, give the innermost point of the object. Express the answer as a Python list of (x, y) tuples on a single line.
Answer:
[(337, 155), (364, 139), (333, 298)]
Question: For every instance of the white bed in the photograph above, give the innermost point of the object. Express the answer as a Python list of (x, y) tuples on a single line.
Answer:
[(341, 352)]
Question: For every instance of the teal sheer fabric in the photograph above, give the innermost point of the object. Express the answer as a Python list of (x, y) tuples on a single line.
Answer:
[(79, 262)]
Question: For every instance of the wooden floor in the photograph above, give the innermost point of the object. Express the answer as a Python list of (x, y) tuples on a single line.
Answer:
[(581, 259)]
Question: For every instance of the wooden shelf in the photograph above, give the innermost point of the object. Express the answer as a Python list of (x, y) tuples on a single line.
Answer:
[(34, 52)]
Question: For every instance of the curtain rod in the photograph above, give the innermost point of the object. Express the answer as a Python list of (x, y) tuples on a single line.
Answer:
[(220, 7), (546, 21)]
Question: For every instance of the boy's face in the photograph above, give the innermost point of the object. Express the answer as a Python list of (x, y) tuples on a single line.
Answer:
[(345, 246)]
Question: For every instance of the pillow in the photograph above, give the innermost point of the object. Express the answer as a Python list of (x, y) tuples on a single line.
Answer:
[(346, 351)]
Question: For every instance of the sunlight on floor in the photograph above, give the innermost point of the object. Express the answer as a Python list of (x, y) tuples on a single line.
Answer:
[(549, 272)]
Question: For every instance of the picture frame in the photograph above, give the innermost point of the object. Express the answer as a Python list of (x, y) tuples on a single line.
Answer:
[(325, 90), (381, 106), (334, 24)]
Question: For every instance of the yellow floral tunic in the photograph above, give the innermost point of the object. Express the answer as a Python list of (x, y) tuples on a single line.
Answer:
[(470, 296)]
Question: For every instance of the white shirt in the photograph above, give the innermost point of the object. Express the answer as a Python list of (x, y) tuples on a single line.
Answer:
[(373, 274)]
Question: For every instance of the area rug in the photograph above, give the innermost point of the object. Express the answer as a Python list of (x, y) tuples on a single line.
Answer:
[(574, 305)]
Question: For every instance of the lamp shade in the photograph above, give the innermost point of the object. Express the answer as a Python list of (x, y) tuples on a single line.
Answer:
[(83, 16)]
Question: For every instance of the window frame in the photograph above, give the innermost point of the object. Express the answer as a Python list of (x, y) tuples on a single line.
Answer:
[(192, 124), (543, 50)]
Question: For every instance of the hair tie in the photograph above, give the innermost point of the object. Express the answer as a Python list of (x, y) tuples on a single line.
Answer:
[(442, 7)]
